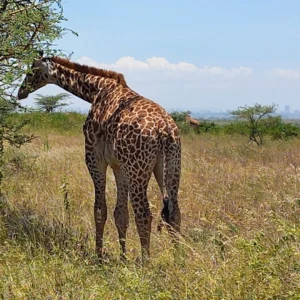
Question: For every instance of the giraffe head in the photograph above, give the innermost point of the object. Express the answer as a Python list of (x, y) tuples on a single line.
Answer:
[(37, 77)]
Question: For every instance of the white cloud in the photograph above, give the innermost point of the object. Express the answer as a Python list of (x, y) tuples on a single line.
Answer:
[(84, 60), (286, 73), (155, 63), (183, 85), (129, 63), (227, 72)]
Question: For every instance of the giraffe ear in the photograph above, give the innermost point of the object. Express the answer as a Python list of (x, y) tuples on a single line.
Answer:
[(41, 54)]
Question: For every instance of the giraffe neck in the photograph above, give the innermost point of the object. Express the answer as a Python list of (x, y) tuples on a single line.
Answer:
[(82, 85)]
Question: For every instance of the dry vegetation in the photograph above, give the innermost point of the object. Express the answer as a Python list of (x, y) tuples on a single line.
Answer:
[(240, 219)]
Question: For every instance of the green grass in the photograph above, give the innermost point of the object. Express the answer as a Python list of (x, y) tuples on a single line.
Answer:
[(240, 220), (65, 123)]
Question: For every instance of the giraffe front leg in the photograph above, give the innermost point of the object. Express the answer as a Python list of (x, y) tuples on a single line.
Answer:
[(121, 211), (97, 169)]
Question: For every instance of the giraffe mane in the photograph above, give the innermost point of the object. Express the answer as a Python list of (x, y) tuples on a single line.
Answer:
[(90, 70)]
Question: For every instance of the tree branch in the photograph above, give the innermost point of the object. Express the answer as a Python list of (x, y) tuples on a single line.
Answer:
[(30, 7), (33, 36)]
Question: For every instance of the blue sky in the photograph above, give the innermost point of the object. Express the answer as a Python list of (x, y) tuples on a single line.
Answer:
[(191, 54)]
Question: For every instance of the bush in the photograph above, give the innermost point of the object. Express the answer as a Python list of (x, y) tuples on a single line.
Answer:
[(180, 117), (70, 122), (207, 126), (236, 128), (279, 130), (272, 127)]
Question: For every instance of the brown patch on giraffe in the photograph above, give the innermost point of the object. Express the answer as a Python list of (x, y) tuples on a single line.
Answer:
[(90, 70)]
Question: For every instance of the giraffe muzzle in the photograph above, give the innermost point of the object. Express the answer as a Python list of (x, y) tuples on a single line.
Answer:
[(23, 93)]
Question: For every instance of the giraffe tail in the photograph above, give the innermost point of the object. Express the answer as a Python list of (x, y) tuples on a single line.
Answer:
[(165, 213), (170, 213)]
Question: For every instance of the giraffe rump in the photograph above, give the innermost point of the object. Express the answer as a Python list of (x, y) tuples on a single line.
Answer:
[(90, 70)]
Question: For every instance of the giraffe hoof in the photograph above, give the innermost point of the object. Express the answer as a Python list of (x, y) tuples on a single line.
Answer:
[(102, 255)]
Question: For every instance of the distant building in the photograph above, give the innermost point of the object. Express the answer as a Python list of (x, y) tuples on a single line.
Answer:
[(287, 110)]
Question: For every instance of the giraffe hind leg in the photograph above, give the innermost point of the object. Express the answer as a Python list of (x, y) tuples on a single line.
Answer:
[(121, 210), (143, 216), (158, 172)]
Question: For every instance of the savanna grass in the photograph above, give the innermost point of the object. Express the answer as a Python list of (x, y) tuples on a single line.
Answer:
[(240, 223)]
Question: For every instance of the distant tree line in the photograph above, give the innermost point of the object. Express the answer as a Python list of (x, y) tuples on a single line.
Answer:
[(255, 122)]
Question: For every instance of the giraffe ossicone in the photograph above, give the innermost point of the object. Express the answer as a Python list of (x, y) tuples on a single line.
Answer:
[(126, 131)]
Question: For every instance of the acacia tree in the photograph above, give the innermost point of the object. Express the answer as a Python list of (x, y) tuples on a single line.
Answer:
[(27, 26), (49, 103), (254, 116)]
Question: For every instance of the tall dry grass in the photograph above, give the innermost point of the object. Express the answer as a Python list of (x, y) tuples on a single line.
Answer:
[(240, 220)]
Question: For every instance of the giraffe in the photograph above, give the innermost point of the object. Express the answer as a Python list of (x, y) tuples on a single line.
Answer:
[(192, 121), (127, 132)]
